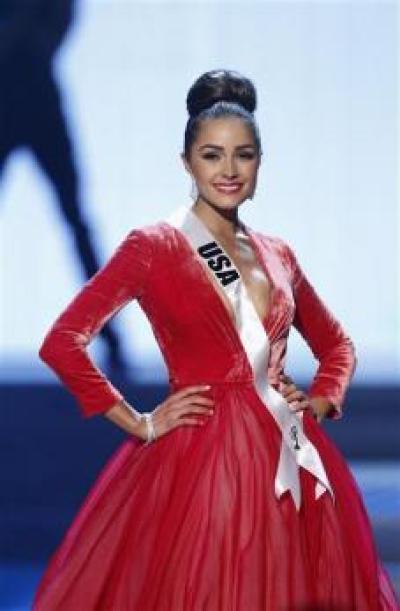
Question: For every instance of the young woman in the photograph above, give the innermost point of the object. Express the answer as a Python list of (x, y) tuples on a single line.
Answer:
[(228, 496)]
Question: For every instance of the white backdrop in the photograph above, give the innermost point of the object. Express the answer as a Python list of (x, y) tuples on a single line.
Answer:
[(326, 79)]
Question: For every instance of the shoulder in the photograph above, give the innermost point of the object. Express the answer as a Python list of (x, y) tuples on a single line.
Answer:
[(151, 235), (152, 242)]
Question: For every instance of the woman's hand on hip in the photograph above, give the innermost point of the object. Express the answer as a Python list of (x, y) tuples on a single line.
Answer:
[(185, 407), (298, 400)]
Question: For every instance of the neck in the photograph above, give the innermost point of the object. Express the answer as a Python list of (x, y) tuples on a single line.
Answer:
[(220, 222)]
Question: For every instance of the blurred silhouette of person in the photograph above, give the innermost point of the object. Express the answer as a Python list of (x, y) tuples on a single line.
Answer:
[(31, 116)]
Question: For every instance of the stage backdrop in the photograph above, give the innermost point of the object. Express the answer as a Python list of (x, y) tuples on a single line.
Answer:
[(325, 74)]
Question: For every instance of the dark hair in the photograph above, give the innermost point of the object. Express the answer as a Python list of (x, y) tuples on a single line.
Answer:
[(220, 93)]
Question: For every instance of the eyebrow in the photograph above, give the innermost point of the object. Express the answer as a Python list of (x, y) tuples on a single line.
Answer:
[(221, 148)]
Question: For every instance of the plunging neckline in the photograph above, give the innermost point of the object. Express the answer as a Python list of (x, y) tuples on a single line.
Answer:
[(258, 255), (263, 266)]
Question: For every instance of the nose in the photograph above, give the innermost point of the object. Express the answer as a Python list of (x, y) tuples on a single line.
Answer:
[(230, 169)]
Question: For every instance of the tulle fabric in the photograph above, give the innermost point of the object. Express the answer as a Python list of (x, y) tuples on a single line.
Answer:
[(191, 523)]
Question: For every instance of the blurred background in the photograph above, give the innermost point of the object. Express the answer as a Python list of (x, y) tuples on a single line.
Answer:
[(92, 115)]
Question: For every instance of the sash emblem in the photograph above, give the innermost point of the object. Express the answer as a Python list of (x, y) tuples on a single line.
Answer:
[(295, 436)]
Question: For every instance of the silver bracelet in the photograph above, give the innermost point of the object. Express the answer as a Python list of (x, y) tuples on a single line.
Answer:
[(151, 433)]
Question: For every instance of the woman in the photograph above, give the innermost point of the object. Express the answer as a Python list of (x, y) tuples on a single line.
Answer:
[(228, 495)]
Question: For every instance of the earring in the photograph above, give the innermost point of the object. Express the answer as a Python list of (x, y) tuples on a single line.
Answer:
[(194, 193)]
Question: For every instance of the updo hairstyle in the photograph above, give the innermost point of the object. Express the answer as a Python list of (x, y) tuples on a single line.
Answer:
[(216, 94)]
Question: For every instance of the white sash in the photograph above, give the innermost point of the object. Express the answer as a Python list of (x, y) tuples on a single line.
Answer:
[(296, 449)]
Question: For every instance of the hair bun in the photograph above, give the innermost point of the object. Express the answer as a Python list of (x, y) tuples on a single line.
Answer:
[(221, 85)]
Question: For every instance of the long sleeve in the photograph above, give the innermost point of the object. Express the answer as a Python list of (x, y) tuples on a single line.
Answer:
[(327, 339), (64, 348)]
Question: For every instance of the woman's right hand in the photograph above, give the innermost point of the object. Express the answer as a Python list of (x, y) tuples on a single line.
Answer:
[(185, 407)]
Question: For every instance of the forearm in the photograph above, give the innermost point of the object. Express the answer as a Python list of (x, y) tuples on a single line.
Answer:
[(125, 416), (327, 339), (64, 348), (64, 351)]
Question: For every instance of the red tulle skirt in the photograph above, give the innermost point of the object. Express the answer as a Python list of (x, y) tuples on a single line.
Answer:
[(191, 522)]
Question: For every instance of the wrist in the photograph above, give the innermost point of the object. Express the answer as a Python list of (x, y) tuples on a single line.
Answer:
[(125, 416), (147, 418), (320, 407), (143, 424), (136, 418)]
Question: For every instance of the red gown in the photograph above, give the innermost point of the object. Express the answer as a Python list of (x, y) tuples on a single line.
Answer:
[(190, 522)]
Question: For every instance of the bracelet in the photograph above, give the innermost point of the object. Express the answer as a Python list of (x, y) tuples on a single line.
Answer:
[(151, 433)]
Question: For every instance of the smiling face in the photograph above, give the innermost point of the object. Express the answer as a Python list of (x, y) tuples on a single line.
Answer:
[(224, 162)]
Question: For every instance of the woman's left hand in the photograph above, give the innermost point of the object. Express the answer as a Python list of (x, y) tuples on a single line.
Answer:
[(298, 400)]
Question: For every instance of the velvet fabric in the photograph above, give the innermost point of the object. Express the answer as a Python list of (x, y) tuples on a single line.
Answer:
[(190, 522)]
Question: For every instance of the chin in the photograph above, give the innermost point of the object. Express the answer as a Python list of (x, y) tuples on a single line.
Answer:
[(225, 202)]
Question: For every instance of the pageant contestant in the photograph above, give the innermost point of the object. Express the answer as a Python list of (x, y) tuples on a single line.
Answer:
[(228, 496)]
